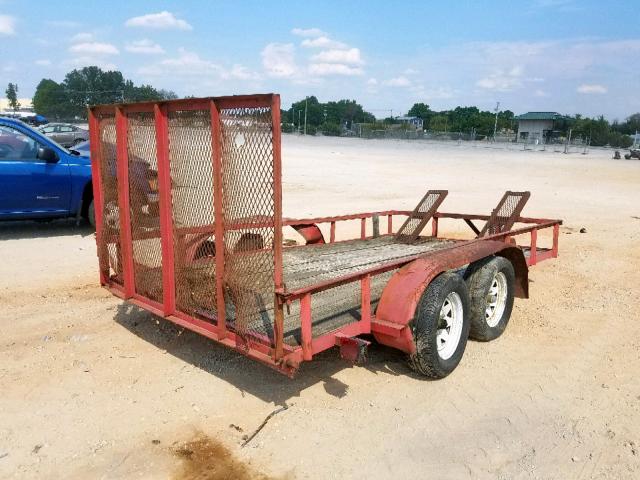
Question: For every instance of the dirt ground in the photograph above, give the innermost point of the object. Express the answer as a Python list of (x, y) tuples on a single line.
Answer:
[(93, 388)]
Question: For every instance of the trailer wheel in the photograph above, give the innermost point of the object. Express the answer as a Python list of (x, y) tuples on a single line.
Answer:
[(441, 326), (491, 287)]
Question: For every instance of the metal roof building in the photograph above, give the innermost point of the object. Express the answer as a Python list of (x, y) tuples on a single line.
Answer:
[(536, 125)]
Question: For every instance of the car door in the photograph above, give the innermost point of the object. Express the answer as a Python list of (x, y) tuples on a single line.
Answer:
[(29, 186), (65, 135), (49, 131)]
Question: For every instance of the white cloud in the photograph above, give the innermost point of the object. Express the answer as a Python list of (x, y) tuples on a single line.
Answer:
[(43, 63), (7, 25), (190, 64), (242, 73), (88, 61), (163, 20), (186, 64), (278, 60), (372, 85), (322, 42), (503, 81), (439, 93), (82, 37), (144, 46), (593, 88), (540, 93), (347, 57), (400, 81), (324, 69), (307, 32), (94, 48)]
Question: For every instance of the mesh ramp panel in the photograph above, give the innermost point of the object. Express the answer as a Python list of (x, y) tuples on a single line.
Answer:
[(191, 166), (506, 213), (413, 226), (249, 216), (143, 202), (111, 259)]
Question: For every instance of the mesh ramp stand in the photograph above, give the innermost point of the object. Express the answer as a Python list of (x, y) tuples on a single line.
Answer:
[(506, 213), (249, 209), (109, 247), (192, 209), (424, 211), (145, 226)]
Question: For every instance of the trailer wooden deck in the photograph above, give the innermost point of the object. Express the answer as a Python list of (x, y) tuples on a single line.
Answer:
[(340, 306)]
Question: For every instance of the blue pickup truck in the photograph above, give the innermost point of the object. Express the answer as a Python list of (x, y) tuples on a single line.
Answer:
[(40, 179)]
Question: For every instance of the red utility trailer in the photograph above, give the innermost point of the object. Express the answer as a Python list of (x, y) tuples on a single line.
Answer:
[(188, 203)]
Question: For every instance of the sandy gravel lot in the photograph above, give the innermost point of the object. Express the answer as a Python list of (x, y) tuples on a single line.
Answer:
[(92, 388)]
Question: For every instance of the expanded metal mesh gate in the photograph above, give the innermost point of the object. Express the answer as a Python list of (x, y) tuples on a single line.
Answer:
[(188, 211)]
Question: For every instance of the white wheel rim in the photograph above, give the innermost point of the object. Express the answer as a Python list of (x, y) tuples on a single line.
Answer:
[(449, 326), (496, 299)]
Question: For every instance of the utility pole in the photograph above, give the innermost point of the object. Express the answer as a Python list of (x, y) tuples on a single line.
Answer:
[(305, 115), (567, 143), (299, 112), (495, 124)]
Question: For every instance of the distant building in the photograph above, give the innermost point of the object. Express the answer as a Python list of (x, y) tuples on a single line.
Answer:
[(416, 122), (25, 106), (536, 125)]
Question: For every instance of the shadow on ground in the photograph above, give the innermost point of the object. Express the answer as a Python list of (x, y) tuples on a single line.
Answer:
[(16, 230), (249, 375)]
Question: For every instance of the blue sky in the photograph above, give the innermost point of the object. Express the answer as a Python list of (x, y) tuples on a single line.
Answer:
[(544, 55)]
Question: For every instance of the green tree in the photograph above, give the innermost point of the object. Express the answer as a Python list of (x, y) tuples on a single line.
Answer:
[(92, 86), (12, 96), (631, 125), (145, 93), (346, 112), (439, 122), (314, 110), (331, 129), (51, 99), (422, 110)]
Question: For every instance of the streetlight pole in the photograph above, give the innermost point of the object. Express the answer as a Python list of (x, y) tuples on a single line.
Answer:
[(305, 115), (495, 125)]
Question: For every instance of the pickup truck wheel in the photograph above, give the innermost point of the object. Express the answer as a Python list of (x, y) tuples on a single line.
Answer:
[(491, 286), (441, 326), (91, 215)]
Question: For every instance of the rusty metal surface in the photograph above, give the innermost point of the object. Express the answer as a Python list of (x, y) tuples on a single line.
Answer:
[(338, 306), (506, 213), (418, 219), (219, 230), (400, 296), (248, 197), (143, 167), (192, 188), (110, 211)]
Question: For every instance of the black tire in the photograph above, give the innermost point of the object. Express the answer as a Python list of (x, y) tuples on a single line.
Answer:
[(427, 360), (91, 214), (479, 277), (78, 141)]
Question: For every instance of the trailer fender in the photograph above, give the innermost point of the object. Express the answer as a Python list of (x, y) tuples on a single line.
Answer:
[(403, 291), (310, 232)]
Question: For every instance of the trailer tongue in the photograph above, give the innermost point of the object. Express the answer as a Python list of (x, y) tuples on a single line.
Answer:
[(196, 236)]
